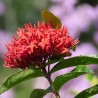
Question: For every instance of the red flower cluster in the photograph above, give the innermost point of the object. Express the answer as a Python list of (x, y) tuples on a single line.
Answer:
[(35, 45)]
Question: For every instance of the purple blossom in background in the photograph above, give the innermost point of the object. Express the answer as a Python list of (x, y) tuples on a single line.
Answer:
[(73, 17), (7, 94), (74, 86), (4, 37), (85, 49), (44, 84), (2, 8), (96, 37), (62, 8), (76, 21), (96, 21)]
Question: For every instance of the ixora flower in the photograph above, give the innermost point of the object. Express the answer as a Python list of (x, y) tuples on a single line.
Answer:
[(35, 45)]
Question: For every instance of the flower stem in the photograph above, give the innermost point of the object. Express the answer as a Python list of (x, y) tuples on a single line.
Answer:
[(47, 75)]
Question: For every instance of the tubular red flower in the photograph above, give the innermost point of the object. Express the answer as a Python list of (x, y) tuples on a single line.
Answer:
[(35, 45)]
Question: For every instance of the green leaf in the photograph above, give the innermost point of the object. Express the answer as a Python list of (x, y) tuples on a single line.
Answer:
[(74, 61), (74, 48), (48, 17), (81, 68), (20, 77), (62, 79), (38, 93), (88, 92)]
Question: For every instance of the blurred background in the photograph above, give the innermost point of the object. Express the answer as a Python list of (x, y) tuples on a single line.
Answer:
[(81, 19)]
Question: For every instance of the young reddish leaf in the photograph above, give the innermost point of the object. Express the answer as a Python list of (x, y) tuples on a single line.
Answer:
[(48, 17)]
